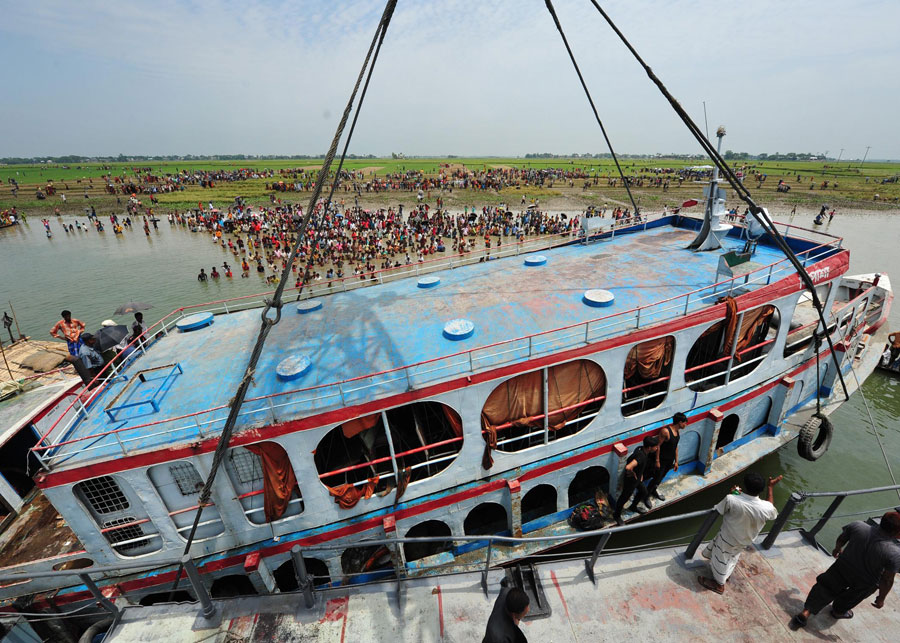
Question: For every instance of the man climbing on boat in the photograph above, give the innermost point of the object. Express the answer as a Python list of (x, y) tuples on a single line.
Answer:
[(744, 514), (635, 470), (667, 454)]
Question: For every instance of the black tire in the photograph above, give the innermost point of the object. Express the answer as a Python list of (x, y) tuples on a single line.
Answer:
[(815, 437)]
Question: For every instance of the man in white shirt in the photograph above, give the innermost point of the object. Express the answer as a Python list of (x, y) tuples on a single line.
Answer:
[(744, 514)]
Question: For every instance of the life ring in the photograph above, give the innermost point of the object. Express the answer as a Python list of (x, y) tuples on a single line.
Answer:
[(815, 437)]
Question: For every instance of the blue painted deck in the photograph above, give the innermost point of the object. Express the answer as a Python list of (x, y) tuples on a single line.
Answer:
[(374, 329)]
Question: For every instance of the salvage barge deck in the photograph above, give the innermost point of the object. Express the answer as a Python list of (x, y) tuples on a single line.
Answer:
[(649, 595)]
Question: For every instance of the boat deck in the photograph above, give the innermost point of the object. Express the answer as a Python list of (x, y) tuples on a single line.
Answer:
[(371, 330), (651, 595)]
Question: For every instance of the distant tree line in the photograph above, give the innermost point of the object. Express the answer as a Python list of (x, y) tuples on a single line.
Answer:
[(122, 158)]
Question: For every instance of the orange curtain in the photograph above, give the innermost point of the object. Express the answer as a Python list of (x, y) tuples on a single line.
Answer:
[(648, 359), (731, 320), (279, 481), (453, 420), (347, 495), (354, 427), (522, 397), (753, 320)]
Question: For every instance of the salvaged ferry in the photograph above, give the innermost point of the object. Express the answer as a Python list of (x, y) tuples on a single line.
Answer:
[(454, 397)]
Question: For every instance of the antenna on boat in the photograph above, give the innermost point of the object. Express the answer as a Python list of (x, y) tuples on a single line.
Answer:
[(758, 212), (712, 227)]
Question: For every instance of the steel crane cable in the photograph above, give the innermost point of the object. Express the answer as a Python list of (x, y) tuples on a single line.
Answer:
[(593, 107), (276, 300), (739, 189)]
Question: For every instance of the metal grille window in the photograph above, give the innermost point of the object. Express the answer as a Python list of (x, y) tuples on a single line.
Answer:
[(130, 537), (103, 494), (186, 477), (247, 466)]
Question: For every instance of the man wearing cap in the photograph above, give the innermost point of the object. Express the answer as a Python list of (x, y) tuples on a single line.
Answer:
[(635, 468), (71, 332), (90, 357)]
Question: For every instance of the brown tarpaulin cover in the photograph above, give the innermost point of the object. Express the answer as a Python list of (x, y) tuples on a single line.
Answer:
[(521, 397), (346, 495), (354, 427), (279, 481), (648, 359)]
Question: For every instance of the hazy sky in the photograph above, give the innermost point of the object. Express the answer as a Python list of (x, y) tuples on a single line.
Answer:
[(465, 77)]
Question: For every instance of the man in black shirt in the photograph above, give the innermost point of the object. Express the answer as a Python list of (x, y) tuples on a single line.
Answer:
[(667, 454), (510, 607), (867, 559), (635, 468)]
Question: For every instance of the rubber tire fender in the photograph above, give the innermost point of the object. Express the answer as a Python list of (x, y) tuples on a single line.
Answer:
[(815, 437)]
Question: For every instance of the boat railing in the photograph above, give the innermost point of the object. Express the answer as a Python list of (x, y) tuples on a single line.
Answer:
[(261, 410), (497, 550)]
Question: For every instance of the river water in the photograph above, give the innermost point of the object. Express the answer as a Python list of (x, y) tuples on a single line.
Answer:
[(92, 274)]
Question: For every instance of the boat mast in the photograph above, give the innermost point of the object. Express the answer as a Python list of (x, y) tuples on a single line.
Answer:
[(708, 239)]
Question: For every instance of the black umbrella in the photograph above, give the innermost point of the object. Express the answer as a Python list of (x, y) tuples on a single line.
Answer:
[(109, 336), (132, 307)]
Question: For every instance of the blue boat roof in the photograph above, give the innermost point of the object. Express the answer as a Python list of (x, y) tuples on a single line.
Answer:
[(371, 330)]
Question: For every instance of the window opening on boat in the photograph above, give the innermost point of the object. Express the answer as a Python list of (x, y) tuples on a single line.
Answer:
[(246, 465), (178, 485), (231, 586), (486, 519), (186, 478), (126, 533), (430, 528), (587, 483), (731, 348), (366, 559), (264, 480), (728, 430), (285, 575), (542, 406), (539, 501), (108, 499), (358, 459), (648, 368), (804, 321), (102, 494)]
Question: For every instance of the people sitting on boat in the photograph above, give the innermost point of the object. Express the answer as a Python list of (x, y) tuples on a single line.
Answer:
[(89, 355)]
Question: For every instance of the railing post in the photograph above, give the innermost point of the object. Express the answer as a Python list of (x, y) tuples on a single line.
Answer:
[(199, 426), (687, 300), (587, 327), (272, 409), (207, 608), (590, 562), (810, 536), (471, 363), (708, 522), (104, 602), (304, 582), (121, 444), (225, 305), (785, 513), (637, 323), (487, 565), (769, 278)]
